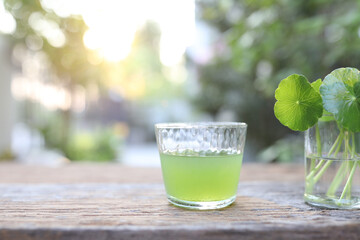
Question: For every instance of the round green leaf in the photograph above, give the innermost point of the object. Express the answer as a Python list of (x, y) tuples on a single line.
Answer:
[(316, 85), (298, 106), (326, 116), (341, 96)]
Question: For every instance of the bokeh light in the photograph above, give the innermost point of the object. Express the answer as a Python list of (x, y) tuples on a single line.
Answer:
[(112, 25), (7, 21)]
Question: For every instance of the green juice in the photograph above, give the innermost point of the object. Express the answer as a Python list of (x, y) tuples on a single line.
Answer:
[(201, 178)]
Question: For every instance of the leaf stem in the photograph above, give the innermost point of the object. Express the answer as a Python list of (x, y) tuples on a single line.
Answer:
[(346, 166), (336, 181), (341, 171), (353, 145), (336, 146), (318, 140), (318, 145), (348, 182)]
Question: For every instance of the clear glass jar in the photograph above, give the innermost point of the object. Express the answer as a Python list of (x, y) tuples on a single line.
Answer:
[(332, 178)]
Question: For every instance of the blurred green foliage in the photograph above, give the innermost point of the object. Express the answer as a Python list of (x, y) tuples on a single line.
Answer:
[(258, 43), (7, 155), (139, 78), (70, 64), (283, 150), (99, 146)]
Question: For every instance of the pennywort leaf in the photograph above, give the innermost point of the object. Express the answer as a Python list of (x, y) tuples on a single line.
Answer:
[(299, 105), (316, 85), (326, 116), (340, 92)]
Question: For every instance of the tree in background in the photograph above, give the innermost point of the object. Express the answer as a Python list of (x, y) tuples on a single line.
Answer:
[(68, 64), (258, 43), (139, 80)]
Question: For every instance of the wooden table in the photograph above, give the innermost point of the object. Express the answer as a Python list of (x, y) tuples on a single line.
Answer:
[(105, 202)]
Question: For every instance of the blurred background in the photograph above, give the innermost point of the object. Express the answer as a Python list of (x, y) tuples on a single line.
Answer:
[(85, 80)]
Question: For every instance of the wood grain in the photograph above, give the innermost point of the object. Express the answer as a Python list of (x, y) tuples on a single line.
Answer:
[(129, 203)]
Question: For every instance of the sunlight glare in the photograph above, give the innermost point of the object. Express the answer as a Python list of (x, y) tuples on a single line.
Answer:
[(114, 48), (48, 29), (112, 25), (177, 22), (7, 22)]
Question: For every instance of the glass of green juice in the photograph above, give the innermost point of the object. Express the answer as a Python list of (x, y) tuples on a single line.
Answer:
[(201, 162)]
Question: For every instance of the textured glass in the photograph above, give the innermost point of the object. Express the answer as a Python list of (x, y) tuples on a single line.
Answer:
[(201, 162)]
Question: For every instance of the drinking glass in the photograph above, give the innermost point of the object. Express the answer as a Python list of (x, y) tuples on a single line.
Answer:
[(201, 162)]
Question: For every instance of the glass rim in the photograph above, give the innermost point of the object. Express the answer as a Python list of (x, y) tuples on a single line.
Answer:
[(200, 124)]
